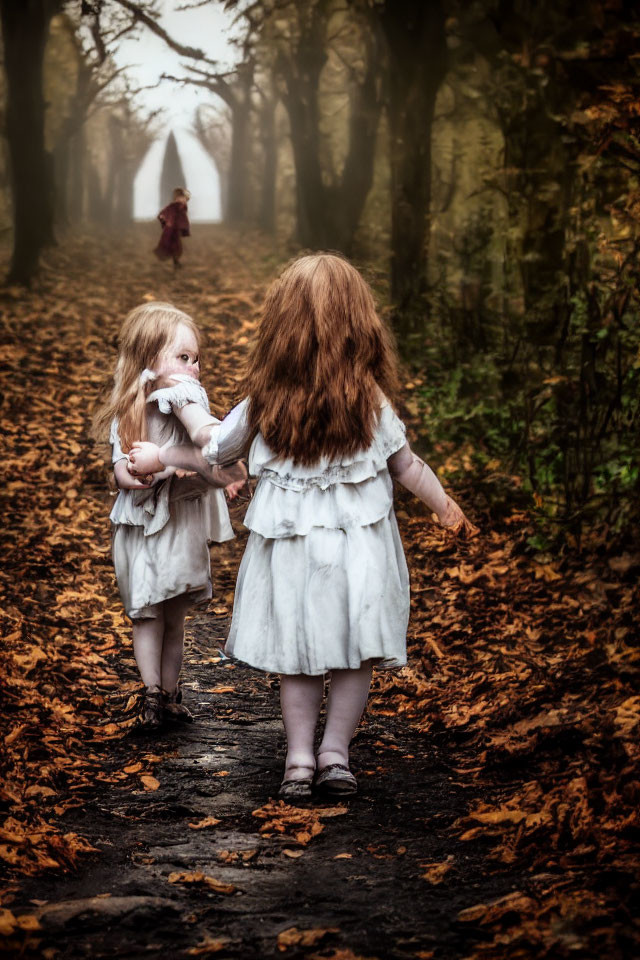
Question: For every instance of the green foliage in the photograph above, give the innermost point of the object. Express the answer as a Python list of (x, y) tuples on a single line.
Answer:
[(562, 411)]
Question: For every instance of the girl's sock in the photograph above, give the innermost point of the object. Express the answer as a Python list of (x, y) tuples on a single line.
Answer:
[(348, 692), (300, 697), (147, 649)]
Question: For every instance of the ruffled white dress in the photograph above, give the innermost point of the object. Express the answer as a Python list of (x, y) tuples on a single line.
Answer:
[(323, 582), (161, 534)]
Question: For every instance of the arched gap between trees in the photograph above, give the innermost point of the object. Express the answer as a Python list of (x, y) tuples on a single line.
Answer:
[(201, 176)]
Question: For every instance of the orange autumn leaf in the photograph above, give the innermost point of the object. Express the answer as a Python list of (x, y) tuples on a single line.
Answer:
[(293, 937), (204, 824), (202, 879), (149, 782)]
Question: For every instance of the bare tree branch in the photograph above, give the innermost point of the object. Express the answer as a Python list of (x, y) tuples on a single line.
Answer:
[(141, 16)]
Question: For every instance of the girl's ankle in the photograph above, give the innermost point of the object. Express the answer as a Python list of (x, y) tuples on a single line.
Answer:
[(325, 758), (299, 767), (298, 772)]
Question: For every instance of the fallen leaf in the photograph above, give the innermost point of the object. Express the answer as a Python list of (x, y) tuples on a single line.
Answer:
[(202, 879), (203, 824), (149, 782), (293, 937), (208, 946), (436, 872)]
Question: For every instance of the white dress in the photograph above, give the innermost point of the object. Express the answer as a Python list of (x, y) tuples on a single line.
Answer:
[(161, 534), (323, 582)]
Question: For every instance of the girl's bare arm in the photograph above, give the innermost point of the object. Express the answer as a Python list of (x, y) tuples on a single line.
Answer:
[(214, 442), (418, 477), (125, 480)]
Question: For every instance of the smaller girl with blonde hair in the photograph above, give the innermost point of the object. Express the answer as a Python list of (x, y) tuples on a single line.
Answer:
[(163, 522), (323, 585)]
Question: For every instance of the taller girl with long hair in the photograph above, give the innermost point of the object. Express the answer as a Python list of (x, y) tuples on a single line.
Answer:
[(323, 584)]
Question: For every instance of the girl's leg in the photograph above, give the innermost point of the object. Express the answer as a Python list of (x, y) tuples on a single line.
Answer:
[(348, 692), (300, 698), (174, 611), (147, 649)]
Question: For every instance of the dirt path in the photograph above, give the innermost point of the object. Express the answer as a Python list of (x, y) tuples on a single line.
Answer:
[(359, 879)]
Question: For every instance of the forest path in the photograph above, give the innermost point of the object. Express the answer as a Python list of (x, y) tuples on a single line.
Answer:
[(355, 889), (347, 879), (501, 823)]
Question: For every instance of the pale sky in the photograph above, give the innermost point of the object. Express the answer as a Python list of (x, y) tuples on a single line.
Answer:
[(207, 28)]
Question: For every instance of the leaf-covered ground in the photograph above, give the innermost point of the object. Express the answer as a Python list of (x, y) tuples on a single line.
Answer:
[(499, 770)]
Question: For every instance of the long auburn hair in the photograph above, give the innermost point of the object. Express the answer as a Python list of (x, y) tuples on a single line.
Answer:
[(146, 332), (321, 359)]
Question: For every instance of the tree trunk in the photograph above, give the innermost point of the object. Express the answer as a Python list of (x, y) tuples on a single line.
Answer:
[(236, 208), (123, 212), (238, 98), (25, 27), (417, 51), (267, 212), (311, 209), (96, 204), (328, 215), (357, 175), (61, 179), (116, 159), (77, 177)]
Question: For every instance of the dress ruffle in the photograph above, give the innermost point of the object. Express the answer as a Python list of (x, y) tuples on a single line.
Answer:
[(175, 561), (291, 499), (151, 509), (354, 468), (277, 511), (326, 601)]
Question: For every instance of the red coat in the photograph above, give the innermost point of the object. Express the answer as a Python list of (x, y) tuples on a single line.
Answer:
[(175, 225)]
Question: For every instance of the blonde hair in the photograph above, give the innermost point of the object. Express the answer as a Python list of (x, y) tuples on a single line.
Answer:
[(321, 360), (146, 332), (181, 192)]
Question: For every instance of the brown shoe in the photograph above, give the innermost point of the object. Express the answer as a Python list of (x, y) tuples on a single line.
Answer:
[(293, 791), (152, 708), (336, 780), (174, 708)]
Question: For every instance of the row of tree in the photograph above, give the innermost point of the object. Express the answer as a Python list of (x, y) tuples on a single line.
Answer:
[(488, 152), (515, 256), (75, 135)]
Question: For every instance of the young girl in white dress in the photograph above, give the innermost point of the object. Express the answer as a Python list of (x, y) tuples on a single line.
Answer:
[(323, 585), (162, 523)]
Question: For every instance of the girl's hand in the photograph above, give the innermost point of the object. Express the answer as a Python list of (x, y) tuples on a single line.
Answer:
[(239, 487), (144, 459), (454, 520), (144, 480), (233, 489), (125, 479)]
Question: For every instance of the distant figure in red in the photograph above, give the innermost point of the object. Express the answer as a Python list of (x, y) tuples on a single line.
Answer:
[(175, 225)]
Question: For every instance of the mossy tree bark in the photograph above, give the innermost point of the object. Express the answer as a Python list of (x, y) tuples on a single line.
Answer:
[(25, 27), (328, 209), (417, 62)]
